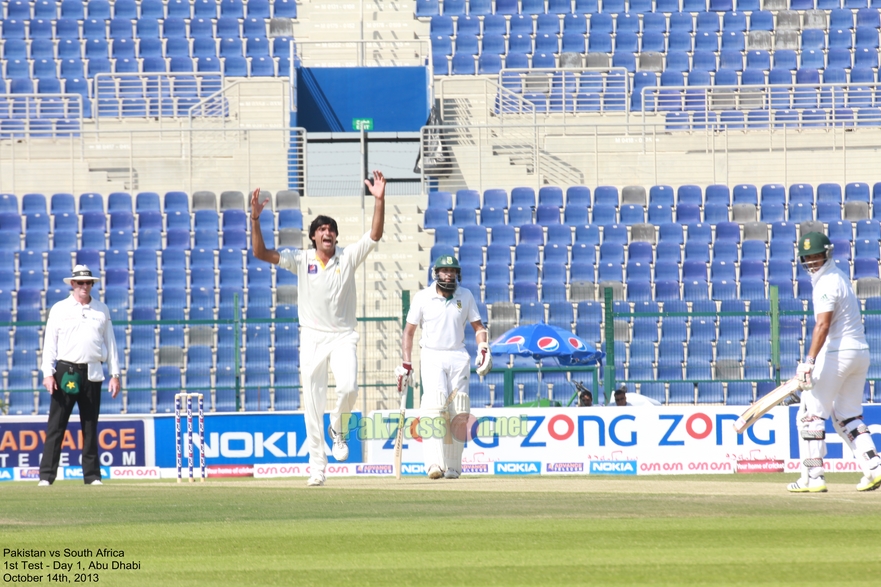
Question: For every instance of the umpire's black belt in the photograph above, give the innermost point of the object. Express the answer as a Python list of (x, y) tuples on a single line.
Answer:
[(59, 365)]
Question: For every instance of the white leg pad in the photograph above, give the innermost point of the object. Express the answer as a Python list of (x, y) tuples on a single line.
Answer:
[(442, 372), (811, 442), (461, 404), (432, 437), (843, 432), (857, 436)]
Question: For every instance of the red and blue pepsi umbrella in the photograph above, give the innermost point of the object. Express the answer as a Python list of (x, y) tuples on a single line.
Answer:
[(545, 340)]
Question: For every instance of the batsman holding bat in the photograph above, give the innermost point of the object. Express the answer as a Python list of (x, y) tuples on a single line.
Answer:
[(833, 373), (442, 310), (327, 296)]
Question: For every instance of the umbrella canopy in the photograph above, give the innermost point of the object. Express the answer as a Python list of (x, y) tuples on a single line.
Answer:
[(635, 399), (544, 340)]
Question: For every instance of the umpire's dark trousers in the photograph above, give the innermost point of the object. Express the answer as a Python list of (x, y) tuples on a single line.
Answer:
[(89, 401)]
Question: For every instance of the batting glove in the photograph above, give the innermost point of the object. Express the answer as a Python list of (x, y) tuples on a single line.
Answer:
[(793, 398), (403, 376), (484, 359), (804, 374)]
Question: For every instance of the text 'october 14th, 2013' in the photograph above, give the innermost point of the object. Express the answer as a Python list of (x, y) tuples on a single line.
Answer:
[(67, 565)]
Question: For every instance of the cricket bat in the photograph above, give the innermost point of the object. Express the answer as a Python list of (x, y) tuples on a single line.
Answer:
[(399, 438), (764, 404)]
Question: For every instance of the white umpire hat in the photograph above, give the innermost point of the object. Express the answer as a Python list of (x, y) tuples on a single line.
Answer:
[(81, 273)]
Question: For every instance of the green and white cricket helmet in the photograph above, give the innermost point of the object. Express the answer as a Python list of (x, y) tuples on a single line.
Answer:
[(814, 243), (447, 262)]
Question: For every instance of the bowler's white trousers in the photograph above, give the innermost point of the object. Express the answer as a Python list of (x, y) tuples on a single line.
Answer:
[(319, 349)]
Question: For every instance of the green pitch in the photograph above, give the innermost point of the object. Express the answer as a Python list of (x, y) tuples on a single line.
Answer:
[(694, 530)]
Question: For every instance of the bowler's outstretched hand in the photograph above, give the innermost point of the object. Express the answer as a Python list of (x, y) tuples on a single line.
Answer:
[(256, 205), (377, 188)]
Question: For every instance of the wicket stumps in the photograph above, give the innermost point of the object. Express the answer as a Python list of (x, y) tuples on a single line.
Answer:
[(178, 404)]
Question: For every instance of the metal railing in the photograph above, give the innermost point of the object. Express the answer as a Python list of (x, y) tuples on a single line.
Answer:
[(29, 109), (725, 367), (363, 53), (748, 97), (41, 115), (645, 152), (118, 96), (376, 382), (106, 160), (565, 91), (522, 96)]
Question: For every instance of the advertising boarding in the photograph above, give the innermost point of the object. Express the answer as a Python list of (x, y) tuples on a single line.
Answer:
[(121, 443), (236, 442), (609, 441), (612, 441), (638, 440)]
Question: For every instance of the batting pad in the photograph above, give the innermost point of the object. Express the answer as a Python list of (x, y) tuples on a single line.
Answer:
[(857, 436), (811, 442), (437, 419), (453, 449)]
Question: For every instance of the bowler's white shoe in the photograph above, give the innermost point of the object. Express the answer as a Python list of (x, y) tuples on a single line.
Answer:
[(43, 483), (870, 481), (316, 480), (451, 474), (435, 472), (808, 485), (96, 482), (340, 449)]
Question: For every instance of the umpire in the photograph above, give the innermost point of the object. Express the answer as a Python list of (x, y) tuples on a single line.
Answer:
[(79, 337)]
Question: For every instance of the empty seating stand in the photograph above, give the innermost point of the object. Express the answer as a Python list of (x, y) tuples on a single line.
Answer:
[(686, 263), (704, 67), (151, 272), (65, 61)]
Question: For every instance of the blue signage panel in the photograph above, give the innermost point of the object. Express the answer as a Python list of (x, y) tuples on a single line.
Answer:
[(834, 446), (247, 439), (330, 99)]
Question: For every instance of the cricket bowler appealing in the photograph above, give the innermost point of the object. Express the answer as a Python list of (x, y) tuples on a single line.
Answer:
[(443, 309), (833, 373), (327, 295)]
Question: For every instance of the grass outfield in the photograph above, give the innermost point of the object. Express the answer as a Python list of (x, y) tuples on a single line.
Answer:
[(683, 530)]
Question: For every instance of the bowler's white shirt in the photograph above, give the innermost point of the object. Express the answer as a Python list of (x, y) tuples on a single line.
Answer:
[(326, 293), (442, 320), (833, 293), (80, 333)]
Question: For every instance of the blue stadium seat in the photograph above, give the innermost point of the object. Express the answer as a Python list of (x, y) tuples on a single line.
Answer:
[(870, 229), (440, 200)]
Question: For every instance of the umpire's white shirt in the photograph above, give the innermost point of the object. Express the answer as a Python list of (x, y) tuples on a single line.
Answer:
[(443, 320), (326, 293), (80, 334), (833, 293)]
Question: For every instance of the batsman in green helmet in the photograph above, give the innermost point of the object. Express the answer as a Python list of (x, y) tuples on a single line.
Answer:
[(814, 250), (447, 274), (443, 311), (833, 373)]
